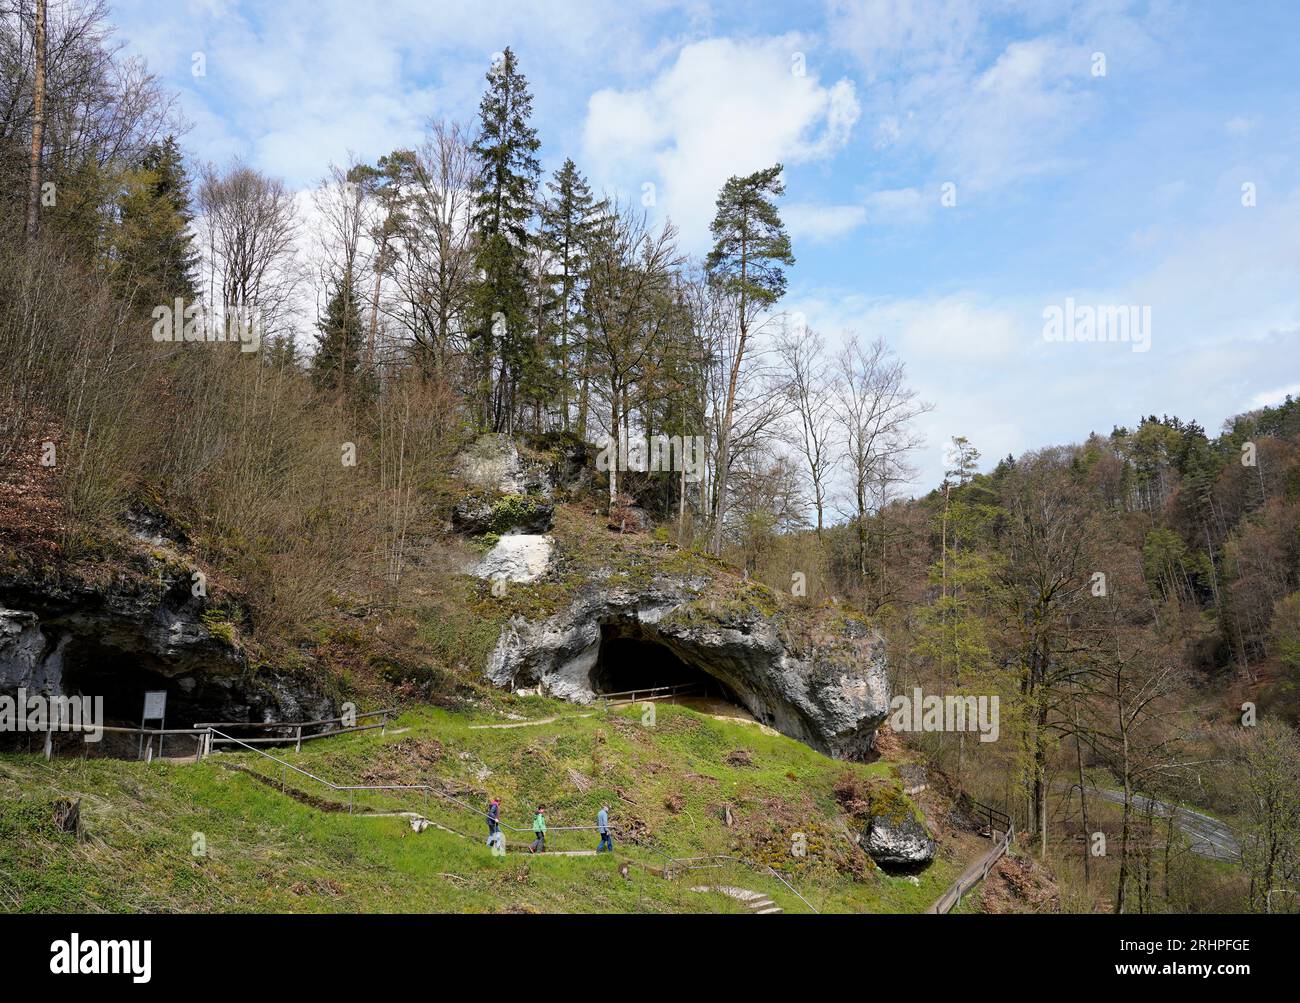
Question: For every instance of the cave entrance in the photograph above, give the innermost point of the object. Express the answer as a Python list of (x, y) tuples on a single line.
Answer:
[(627, 662)]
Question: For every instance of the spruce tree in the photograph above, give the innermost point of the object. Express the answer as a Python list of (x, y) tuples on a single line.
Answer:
[(154, 260), (571, 219), (504, 194), (337, 362)]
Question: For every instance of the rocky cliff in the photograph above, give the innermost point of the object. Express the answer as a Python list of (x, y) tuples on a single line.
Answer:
[(814, 673), (818, 677), (136, 624)]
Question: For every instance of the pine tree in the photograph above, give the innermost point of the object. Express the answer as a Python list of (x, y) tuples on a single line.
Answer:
[(388, 184), (504, 193), (750, 248)]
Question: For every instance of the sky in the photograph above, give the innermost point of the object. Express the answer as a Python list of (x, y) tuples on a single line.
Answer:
[(957, 172)]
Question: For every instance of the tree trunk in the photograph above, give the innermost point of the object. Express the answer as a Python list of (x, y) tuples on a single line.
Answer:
[(38, 122), (1083, 804), (724, 438), (374, 310), (614, 460)]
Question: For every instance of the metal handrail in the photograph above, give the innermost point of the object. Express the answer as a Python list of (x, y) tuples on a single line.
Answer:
[(298, 739), (205, 732), (673, 688), (204, 725)]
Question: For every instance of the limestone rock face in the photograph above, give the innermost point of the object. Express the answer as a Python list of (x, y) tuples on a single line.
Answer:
[(894, 842), (529, 514), (825, 686), (505, 493), (143, 629), (522, 557), (25, 660), (492, 463)]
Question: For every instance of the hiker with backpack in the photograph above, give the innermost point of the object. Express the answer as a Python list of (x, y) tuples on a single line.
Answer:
[(602, 826), (539, 830), (494, 820)]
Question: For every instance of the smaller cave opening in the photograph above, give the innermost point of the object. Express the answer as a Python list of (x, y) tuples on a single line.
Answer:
[(122, 680), (630, 661), (99, 669)]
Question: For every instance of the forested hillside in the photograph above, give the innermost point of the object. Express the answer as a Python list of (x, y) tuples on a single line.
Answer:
[(282, 379)]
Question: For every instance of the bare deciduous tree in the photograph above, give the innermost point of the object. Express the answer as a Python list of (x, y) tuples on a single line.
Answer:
[(38, 119), (875, 412), (802, 352), (249, 226), (630, 289)]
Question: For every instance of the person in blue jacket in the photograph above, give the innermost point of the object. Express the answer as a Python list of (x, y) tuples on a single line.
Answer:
[(493, 820), (602, 825)]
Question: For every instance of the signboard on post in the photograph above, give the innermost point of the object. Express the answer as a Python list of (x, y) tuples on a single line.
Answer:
[(155, 709), (155, 705)]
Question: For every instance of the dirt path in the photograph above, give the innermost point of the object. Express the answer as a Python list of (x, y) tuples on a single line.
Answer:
[(522, 724)]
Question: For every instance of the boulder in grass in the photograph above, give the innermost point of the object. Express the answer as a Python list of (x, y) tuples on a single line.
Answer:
[(898, 841)]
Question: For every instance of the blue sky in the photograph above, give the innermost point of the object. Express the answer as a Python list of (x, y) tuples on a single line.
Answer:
[(1117, 189)]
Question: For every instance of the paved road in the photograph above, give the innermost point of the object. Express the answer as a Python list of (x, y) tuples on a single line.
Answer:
[(1209, 837)]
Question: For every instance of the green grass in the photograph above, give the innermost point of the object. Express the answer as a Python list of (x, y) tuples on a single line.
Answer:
[(265, 851)]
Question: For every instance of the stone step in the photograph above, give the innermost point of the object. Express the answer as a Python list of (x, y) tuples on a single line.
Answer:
[(758, 903)]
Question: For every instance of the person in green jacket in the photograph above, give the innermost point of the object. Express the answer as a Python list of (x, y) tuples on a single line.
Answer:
[(539, 830)]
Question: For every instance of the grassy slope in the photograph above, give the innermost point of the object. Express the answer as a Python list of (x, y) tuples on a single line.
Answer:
[(269, 852)]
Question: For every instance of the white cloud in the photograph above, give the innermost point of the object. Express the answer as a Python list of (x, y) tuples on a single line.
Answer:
[(1272, 398), (887, 35), (296, 84), (723, 107), (989, 94), (1008, 123), (818, 223), (947, 329), (900, 205)]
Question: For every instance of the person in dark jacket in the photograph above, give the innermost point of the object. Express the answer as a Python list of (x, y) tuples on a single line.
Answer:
[(493, 820), (602, 826)]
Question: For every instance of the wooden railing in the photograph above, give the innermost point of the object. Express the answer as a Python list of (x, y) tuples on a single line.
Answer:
[(999, 821), (296, 727), (649, 693), (206, 735)]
